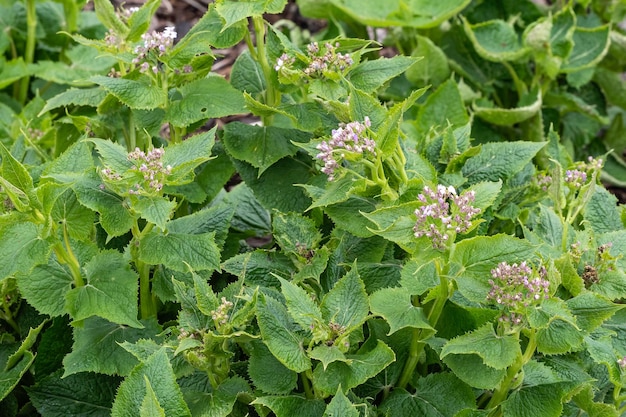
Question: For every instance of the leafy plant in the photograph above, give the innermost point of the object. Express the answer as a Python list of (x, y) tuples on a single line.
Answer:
[(403, 235)]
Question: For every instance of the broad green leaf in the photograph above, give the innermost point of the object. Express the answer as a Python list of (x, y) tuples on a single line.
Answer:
[(479, 255), (155, 209), (113, 155), (247, 75), (346, 303), (187, 155), (11, 71), (190, 316), (388, 135), (76, 159), (15, 173), (602, 212), (158, 371), (76, 218), (260, 268), (233, 11), (337, 191), (359, 368), (547, 225), (45, 287), (250, 217), (340, 406), (136, 94), (211, 28), (485, 193), (295, 233), (495, 40), (472, 370), (261, 146), (179, 251), (521, 402), (342, 214), (281, 335), (21, 248), (267, 373), (590, 46), (107, 15), (362, 104), (110, 291), (139, 21), (440, 394), (300, 305), (394, 305), (75, 97), (591, 310), (10, 378), (557, 330), (216, 219), (417, 276), (527, 108), (442, 108), (80, 394), (216, 403), (115, 217), (498, 352), (500, 160), (225, 100), (150, 406), (432, 67), (292, 405), (327, 354), (371, 75), (106, 356)]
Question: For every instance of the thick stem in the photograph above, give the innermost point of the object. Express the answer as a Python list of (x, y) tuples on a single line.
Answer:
[(272, 96), (66, 256), (29, 53), (306, 384), (147, 305)]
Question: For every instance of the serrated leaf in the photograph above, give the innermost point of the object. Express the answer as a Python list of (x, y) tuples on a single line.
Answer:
[(155, 209), (225, 100), (158, 371), (133, 93), (261, 146), (300, 305), (511, 116), (590, 46), (337, 191), (45, 287), (179, 251), (106, 356), (21, 248), (591, 310), (294, 232), (150, 406), (110, 291), (346, 303), (602, 211), (76, 218), (327, 354), (9, 378), (442, 108), (217, 403), (495, 40), (79, 394), (233, 11), (267, 373), (520, 402), (15, 173), (139, 21), (260, 267), (433, 66), (75, 97), (340, 406), (394, 305), (371, 75), (291, 405), (557, 331), (500, 160), (106, 14), (359, 368), (281, 335), (113, 155), (187, 155)]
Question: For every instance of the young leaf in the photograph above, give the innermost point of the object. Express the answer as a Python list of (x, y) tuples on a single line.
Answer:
[(136, 94), (340, 406), (281, 335), (300, 305), (110, 292), (106, 14), (233, 11), (217, 403), (394, 305), (527, 108), (180, 252), (139, 21), (432, 68), (157, 371), (11, 377), (442, 108), (155, 209), (346, 304), (294, 232), (591, 310), (17, 175), (75, 97), (590, 46), (150, 406), (371, 75), (495, 40)]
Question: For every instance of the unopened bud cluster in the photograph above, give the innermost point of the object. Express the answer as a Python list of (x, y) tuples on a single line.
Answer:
[(578, 176), (443, 214), (150, 166), (220, 315), (517, 287), (327, 59), (348, 138), (153, 42)]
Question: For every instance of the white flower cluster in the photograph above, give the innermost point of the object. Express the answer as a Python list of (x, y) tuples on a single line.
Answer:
[(155, 42)]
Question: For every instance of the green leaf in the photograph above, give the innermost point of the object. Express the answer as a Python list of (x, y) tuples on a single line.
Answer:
[(184, 157), (115, 217), (294, 232), (281, 335), (590, 46), (11, 71), (113, 155), (485, 193), (417, 276), (300, 305), (327, 354), (436, 395), (292, 405), (76, 218), (233, 11), (432, 68), (194, 106), (21, 248), (106, 14), (591, 310), (442, 108), (500, 160), (156, 370), (472, 370), (261, 146), (479, 255), (337, 191), (136, 94), (602, 211), (139, 21), (527, 108), (16, 174), (342, 214), (216, 219), (495, 40), (211, 29), (557, 331), (521, 402), (267, 373), (10, 378), (110, 292), (45, 287), (346, 303), (150, 405), (394, 305), (216, 403), (155, 209), (75, 97), (180, 252), (76, 159), (340, 406), (371, 75), (79, 394), (260, 267), (359, 368), (106, 356), (247, 74)]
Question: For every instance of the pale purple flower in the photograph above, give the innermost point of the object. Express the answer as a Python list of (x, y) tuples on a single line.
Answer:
[(329, 60), (157, 42)]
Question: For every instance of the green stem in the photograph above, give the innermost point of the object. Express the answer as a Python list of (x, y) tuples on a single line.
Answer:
[(147, 304), (519, 85), (306, 384), (29, 53), (272, 96), (503, 389), (6, 314), (66, 256)]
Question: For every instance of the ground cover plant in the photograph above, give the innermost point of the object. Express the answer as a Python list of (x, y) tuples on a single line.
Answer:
[(416, 223)]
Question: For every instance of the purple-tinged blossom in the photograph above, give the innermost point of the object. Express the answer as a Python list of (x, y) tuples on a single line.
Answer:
[(329, 60), (351, 137), (444, 214), (517, 287), (575, 178), (543, 181), (220, 315), (150, 166), (622, 363), (158, 42), (283, 61)]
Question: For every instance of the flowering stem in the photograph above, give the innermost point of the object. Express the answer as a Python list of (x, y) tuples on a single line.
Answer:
[(146, 298), (503, 389), (31, 38)]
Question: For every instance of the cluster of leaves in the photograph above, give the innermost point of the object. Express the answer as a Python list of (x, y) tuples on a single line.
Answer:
[(137, 279)]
